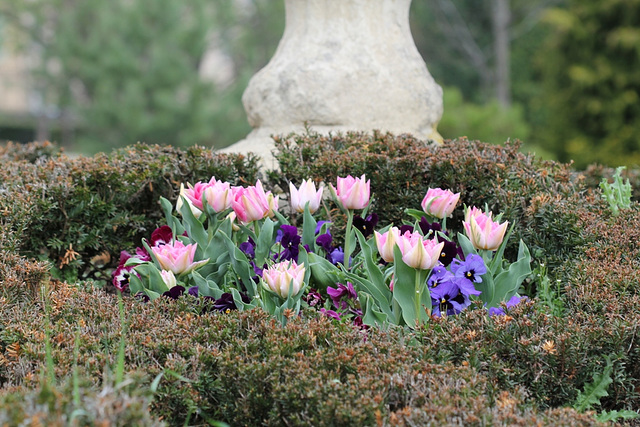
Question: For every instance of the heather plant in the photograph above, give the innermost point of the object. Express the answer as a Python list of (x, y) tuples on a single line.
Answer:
[(518, 363)]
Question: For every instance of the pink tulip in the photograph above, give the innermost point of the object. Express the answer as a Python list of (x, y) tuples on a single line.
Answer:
[(440, 203), (194, 193), (177, 257), (386, 242), (353, 193), (189, 196), (218, 194), (483, 232), (419, 253), (251, 203), (473, 212), (305, 194), (282, 276)]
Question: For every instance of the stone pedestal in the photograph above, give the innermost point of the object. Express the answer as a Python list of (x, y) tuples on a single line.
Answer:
[(342, 65)]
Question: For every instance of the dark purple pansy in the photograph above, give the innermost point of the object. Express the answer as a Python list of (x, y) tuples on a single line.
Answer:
[(290, 242), (161, 236), (175, 292), (406, 228), (449, 251), (513, 301), (225, 302), (426, 226), (324, 241), (472, 268), (248, 248), (366, 225)]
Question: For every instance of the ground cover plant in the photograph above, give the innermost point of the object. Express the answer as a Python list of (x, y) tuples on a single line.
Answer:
[(272, 350)]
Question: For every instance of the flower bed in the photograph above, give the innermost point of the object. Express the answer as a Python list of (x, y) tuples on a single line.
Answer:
[(232, 348)]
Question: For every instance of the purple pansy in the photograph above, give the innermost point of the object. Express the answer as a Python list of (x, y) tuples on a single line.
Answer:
[(366, 225), (290, 242), (448, 299), (472, 268), (248, 248), (513, 301)]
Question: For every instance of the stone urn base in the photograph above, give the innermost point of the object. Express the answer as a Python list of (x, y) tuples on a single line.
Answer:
[(342, 65)]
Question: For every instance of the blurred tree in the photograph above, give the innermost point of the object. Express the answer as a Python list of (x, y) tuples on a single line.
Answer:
[(485, 49), (591, 69), (128, 70)]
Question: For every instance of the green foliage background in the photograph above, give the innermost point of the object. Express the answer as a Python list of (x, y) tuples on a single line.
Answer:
[(118, 72)]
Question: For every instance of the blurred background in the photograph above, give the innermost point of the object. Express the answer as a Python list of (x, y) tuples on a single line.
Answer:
[(561, 75)]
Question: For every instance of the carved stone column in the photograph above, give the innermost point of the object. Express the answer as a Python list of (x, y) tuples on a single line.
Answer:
[(342, 65)]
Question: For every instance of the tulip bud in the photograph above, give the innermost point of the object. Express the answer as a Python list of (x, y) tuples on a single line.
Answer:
[(353, 193), (168, 278), (440, 203), (386, 242), (219, 195), (306, 194), (419, 253), (483, 232), (282, 276)]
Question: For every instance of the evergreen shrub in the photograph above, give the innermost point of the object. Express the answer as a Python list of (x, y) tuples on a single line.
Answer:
[(79, 213)]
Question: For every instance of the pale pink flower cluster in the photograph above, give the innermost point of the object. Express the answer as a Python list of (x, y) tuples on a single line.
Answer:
[(417, 252), (248, 203), (307, 193), (284, 276), (440, 203), (353, 193), (482, 231), (177, 257)]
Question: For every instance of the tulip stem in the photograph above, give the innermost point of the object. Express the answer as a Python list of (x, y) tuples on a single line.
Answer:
[(418, 300), (347, 239)]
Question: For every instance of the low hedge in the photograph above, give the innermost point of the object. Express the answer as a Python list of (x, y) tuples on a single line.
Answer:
[(79, 213), (521, 369), (245, 369)]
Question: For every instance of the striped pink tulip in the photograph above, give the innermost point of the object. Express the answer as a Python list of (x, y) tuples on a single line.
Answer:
[(353, 193), (177, 257), (282, 276), (440, 203), (483, 232)]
